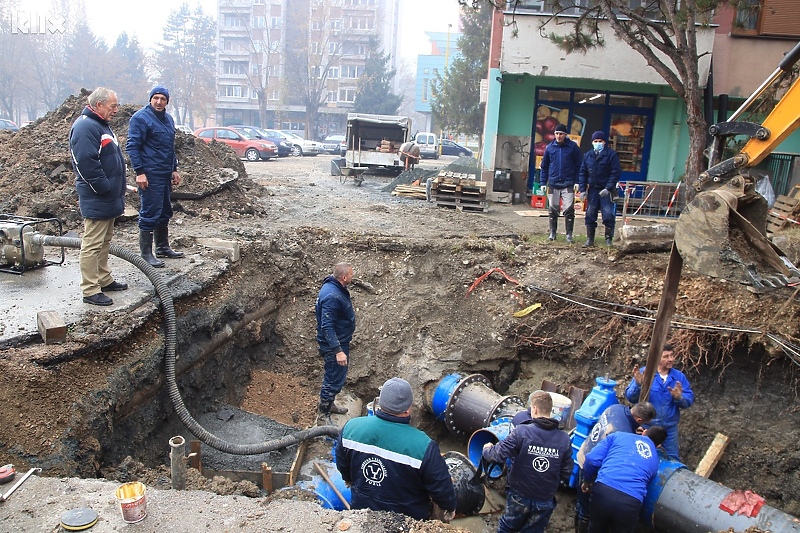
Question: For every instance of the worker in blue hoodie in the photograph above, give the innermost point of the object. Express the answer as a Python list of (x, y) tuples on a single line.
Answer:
[(617, 472), (151, 147), (597, 182), (542, 456)]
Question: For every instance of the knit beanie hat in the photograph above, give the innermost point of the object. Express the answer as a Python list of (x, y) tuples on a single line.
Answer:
[(159, 89), (599, 135), (561, 128), (396, 396)]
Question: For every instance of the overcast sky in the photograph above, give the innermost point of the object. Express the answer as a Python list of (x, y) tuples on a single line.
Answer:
[(146, 18)]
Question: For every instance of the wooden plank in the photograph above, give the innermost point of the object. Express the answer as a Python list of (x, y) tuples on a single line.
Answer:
[(294, 471), (195, 455), (712, 456), (577, 395), (52, 327), (266, 478)]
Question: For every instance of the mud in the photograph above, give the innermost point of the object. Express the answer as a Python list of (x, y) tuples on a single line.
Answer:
[(84, 414)]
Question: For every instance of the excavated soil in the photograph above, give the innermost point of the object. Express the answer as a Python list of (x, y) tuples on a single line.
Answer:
[(414, 263)]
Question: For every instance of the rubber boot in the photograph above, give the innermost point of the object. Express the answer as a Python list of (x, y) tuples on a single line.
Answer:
[(589, 237), (569, 222), (581, 524), (146, 248), (162, 244), (609, 235), (553, 225)]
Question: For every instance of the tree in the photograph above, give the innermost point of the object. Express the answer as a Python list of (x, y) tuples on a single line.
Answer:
[(186, 61), (374, 94), (86, 57), (455, 97), (126, 64), (665, 26)]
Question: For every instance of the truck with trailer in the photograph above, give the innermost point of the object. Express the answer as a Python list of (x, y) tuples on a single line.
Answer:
[(373, 141)]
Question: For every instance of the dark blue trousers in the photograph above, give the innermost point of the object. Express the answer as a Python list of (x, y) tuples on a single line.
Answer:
[(335, 375), (595, 203), (613, 511), (525, 515), (155, 203)]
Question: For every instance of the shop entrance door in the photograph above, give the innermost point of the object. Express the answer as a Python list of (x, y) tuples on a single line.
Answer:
[(630, 133)]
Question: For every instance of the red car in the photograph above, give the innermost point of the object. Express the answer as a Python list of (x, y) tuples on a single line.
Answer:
[(245, 147)]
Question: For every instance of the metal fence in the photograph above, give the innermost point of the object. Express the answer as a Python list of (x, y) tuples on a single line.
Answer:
[(650, 199)]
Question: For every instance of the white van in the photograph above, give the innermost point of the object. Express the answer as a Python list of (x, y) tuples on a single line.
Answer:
[(428, 144)]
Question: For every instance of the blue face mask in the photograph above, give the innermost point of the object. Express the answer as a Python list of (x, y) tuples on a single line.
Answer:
[(598, 147)]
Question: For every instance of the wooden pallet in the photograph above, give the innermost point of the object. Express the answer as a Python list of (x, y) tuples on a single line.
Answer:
[(481, 207), (785, 211), (457, 178)]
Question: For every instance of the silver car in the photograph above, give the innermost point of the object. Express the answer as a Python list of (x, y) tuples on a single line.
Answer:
[(301, 146)]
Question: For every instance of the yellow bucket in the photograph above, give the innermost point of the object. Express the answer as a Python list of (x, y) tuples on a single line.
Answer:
[(132, 502)]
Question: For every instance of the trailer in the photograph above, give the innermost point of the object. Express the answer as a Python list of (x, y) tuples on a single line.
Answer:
[(373, 141)]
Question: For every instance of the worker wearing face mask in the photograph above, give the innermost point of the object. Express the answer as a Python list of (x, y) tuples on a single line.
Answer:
[(597, 182)]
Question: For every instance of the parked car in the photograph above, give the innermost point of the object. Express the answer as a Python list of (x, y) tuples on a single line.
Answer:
[(6, 124), (249, 149), (301, 146), (184, 128), (335, 144), (275, 137), (453, 148), (428, 144)]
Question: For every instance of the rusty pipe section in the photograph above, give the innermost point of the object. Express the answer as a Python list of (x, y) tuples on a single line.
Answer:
[(178, 460)]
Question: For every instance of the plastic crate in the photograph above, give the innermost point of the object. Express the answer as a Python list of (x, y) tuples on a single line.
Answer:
[(538, 202)]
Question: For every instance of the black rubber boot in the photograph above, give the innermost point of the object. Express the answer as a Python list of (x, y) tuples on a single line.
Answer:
[(146, 248), (569, 222), (589, 237), (553, 225), (581, 524), (162, 244), (330, 408), (609, 235)]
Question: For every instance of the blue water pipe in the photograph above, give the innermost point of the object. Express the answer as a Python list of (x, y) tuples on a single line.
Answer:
[(600, 398)]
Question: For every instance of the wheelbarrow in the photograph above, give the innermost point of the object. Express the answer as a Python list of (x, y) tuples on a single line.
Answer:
[(352, 172)]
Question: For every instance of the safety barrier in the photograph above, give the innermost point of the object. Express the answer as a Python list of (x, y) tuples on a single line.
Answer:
[(650, 199)]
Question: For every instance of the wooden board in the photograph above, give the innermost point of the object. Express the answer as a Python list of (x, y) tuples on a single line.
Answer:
[(712, 456)]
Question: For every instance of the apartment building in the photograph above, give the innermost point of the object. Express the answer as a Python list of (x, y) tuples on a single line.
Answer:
[(295, 64)]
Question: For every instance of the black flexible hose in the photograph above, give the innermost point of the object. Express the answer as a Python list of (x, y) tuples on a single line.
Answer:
[(168, 310)]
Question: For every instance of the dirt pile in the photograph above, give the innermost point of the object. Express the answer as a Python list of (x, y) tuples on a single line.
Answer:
[(37, 180)]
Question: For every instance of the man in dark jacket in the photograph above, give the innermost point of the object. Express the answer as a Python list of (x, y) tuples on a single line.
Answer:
[(151, 147), (617, 472), (336, 322), (391, 466), (542, 458), (597, 182), (559, 174), (100, 180), (615, 418)]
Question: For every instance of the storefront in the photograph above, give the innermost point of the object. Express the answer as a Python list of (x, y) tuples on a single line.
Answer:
[(627, 119)]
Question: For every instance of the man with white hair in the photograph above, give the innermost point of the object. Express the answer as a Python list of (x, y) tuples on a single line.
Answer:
[(100, 181)]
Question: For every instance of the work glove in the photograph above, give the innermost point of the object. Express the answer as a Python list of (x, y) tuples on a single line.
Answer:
[(583, 196), (487, 446), (603, 193), (546, 190)]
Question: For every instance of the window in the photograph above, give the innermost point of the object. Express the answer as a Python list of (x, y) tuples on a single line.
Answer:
[(207, 134), (331, 96), (347, 95), (235, 67), (315, 48), (231, 90), (275, 94), (768, 17), (333, 48), (273, 70), (352, 71), (333, 73), (276, 23), (235, 21), (336, 24), (227, 134), (425, 82), (259, 22), (316, 72)]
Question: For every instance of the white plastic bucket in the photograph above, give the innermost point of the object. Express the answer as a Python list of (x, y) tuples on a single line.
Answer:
[(561, 407), (132, 502)]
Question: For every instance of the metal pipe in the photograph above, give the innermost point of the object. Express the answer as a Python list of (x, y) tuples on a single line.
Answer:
[(467, 403), (177, 462), (685, 502), (28, 474)]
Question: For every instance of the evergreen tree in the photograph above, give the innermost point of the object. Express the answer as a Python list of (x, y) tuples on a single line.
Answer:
[(455, 97), (374, 94), (126, 67), (87, 57), (186, 61)]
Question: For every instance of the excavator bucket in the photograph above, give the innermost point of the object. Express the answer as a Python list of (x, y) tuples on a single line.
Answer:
[(722, 233)]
